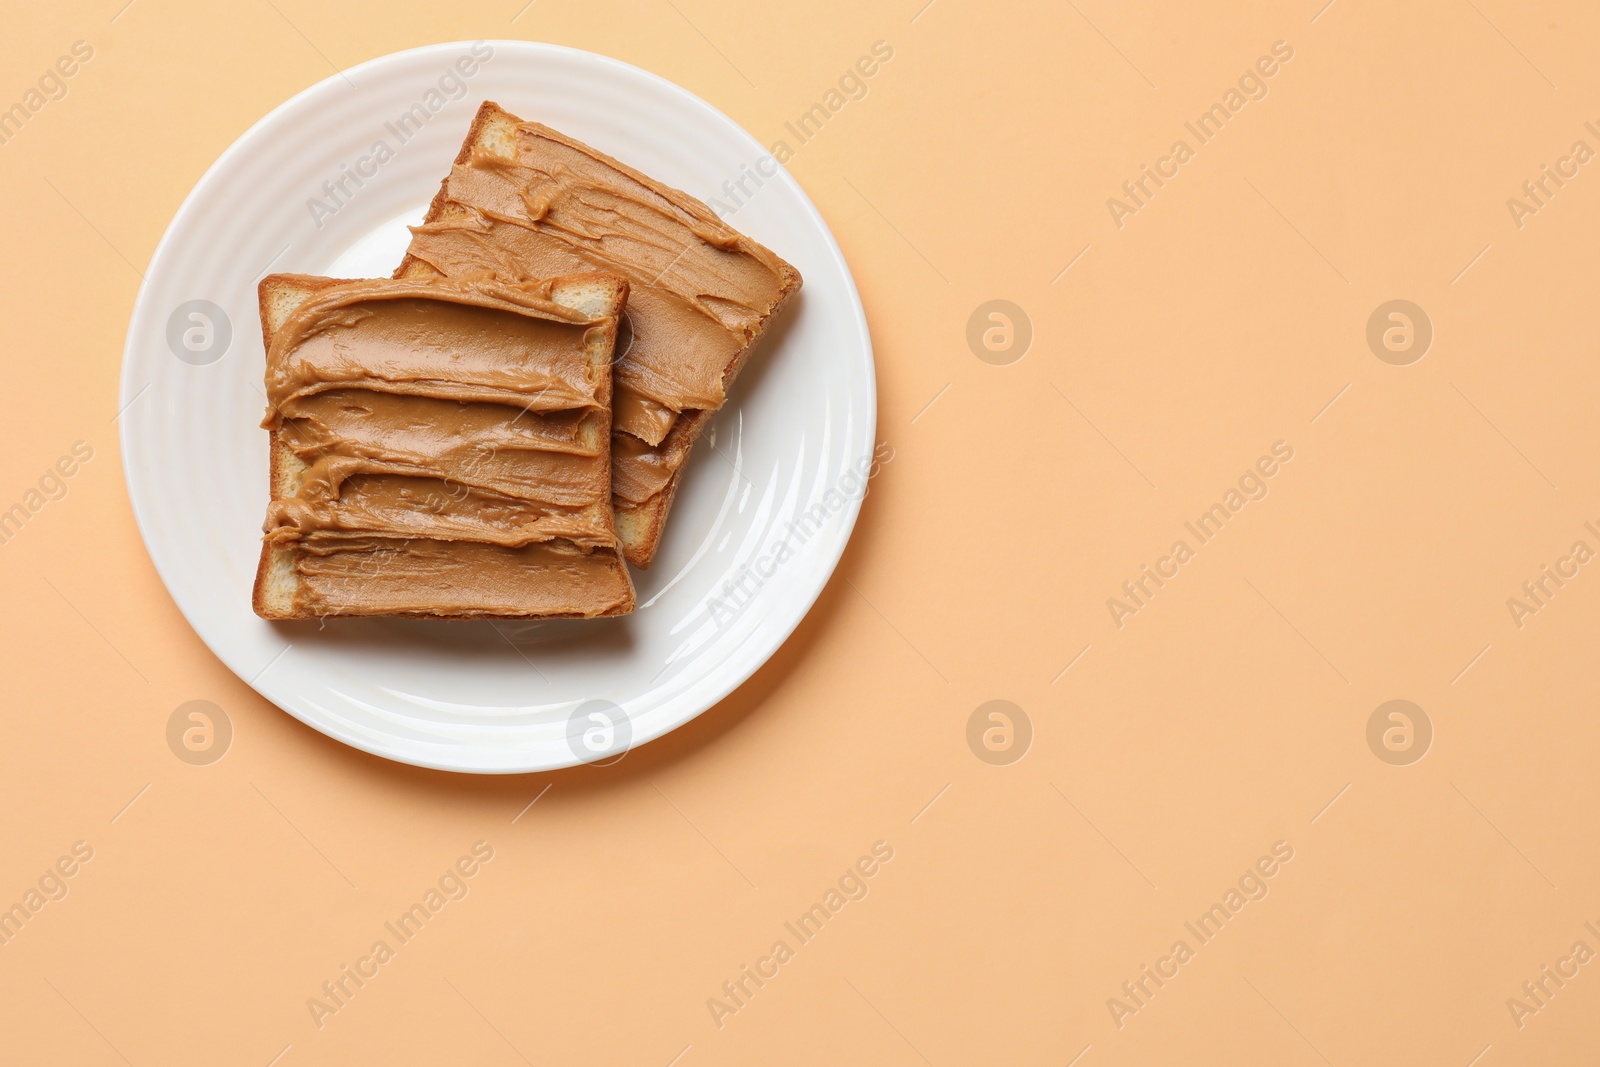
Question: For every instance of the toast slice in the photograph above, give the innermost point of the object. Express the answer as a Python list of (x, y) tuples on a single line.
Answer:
[(523, 200), (440, 449)]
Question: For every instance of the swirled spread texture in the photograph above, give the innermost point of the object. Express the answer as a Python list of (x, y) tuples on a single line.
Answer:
[(524, 201), (440, 447)]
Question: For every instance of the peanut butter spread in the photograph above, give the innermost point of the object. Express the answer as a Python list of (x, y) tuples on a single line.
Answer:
[(454, 441), (699, 292)]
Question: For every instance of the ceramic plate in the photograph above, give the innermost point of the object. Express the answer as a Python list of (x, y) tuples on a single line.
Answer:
[(326, 184)]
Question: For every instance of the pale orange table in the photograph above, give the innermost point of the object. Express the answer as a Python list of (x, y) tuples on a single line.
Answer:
[(1198, 499)]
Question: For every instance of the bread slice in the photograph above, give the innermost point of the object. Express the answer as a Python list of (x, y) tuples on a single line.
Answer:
[(509, 208), (442, 577)]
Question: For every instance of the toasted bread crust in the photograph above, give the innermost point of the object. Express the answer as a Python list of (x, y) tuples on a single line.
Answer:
[(269, 291)]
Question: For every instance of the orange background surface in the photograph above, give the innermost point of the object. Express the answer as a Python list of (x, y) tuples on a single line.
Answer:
[(1168, 753)]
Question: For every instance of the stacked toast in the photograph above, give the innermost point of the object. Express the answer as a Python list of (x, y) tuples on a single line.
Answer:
[(495, 430)]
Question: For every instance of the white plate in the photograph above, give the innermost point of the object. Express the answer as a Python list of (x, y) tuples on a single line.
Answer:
[(478, 696)]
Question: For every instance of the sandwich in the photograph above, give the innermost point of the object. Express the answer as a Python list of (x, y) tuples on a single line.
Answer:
[(523, 201), (441, 448)]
